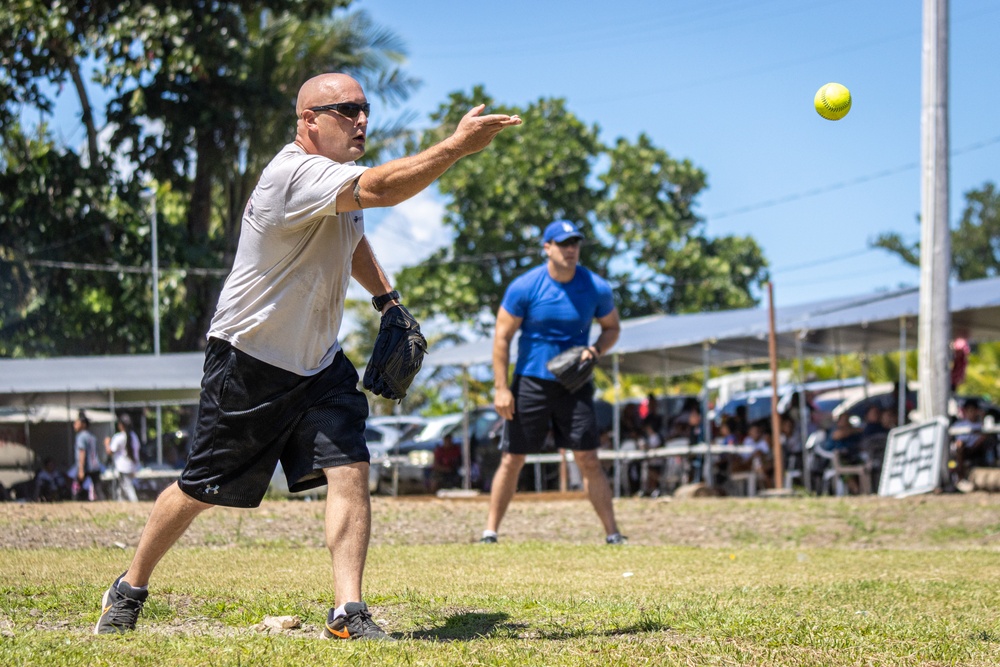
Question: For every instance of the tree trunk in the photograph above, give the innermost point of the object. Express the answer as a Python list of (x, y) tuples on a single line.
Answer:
[(87, 114)]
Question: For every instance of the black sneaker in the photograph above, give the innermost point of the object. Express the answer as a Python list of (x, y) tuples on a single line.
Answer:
[(357, 624), (616, 539), (120, 608), (488, 539)]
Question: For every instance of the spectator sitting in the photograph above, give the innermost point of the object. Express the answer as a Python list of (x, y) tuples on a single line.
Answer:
[(846, 439), (447, 461), (973, 448), (873, 422), (726, 432), (758, 459), (654, 467), (50, 484), (791, 443), (889, 419), (742, 423), (653, 417)]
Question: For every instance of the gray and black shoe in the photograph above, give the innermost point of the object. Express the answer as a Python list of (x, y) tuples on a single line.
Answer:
[(617, 539), (356, 624), (120, 608), (488, 539)]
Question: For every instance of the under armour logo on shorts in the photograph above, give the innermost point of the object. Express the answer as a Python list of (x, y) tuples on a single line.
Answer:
[(212, 489)]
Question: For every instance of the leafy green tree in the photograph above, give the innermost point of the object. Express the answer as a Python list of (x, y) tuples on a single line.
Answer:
[(55, 211), (637, 216), (200, 96), (648, 209), (499, 201), (975, 242)]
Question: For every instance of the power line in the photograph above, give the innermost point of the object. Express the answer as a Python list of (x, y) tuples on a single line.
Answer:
[(769, 203), (114, 268)]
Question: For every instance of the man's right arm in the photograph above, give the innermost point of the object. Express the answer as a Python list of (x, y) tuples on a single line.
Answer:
[(507, 326), (398, 180)]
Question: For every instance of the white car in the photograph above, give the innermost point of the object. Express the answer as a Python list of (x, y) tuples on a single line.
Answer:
[(410, 475), (407, 425)]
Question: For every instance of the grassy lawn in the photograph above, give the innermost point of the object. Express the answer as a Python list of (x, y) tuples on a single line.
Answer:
[(768, 591)]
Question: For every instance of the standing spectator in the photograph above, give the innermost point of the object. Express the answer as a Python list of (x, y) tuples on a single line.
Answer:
[(123, 448), (277, 384), (554, 306), (88, 465)]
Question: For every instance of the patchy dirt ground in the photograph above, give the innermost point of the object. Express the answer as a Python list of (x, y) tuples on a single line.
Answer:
[(924, 522)]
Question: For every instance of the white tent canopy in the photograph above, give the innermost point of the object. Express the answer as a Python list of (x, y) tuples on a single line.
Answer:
[(145, 379)]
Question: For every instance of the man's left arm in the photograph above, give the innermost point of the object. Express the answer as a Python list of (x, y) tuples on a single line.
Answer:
[(610, 329), (369, 274)]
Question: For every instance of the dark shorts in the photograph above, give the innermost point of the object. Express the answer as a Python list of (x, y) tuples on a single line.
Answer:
[(251, 415), (544, 405)]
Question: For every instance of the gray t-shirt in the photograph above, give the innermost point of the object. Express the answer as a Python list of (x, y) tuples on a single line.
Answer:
[(283, 302)]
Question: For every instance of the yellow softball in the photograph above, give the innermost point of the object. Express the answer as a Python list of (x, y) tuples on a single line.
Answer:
[(832, 101)]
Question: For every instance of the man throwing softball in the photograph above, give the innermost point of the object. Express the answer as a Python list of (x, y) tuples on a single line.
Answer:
[(277, 385), (554, 306)]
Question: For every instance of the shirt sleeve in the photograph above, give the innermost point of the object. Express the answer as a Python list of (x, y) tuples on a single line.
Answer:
[(314, 186), (605, 298), (514, 301)]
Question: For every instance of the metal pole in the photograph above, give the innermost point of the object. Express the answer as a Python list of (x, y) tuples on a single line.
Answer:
[(156, 276), (466, 439), (804, 415), (935, 235), (617, 422), (707, 473), (772, 349), (901, 400), (156, 322)]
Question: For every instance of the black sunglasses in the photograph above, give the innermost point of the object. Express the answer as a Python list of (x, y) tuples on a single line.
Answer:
[(569, 243), (346, 109)]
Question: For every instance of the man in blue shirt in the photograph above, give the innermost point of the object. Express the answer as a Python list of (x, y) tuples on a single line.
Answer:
[(553, 305)]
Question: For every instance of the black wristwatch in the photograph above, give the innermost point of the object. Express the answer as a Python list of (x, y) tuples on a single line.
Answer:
[(378, 302)]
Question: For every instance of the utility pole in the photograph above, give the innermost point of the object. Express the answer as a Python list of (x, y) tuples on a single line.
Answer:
[(934, 329), (155, 252)]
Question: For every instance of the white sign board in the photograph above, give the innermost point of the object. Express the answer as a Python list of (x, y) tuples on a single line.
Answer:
[(913, 458)]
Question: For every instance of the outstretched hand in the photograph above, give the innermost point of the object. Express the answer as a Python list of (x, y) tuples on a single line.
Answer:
[(475, 132)]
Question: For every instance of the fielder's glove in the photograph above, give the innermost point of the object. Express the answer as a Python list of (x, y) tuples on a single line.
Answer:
[(398, 355), (571, 369)]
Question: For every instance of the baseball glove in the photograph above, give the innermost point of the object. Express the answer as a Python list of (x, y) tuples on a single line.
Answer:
[(571, 369), (398, 355)]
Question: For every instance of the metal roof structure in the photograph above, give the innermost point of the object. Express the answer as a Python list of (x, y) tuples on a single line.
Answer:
[(677, 344)]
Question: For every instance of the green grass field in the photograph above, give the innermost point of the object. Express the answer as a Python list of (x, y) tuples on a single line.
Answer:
[(903, 583)]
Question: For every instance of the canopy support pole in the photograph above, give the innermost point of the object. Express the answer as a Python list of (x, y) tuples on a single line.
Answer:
[(804, 416), (466, 440), (901, 416), (616, 423), (706, 425)]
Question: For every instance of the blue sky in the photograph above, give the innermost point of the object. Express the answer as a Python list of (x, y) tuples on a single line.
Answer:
[(729, 85)]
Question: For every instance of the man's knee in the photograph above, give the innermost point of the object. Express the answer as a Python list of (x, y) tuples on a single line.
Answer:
[(587, 462), (510, 464)]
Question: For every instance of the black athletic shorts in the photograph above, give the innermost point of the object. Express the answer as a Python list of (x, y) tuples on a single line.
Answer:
[(543, 405), (251, 415)]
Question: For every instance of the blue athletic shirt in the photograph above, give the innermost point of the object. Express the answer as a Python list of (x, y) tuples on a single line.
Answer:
[(555, 315)]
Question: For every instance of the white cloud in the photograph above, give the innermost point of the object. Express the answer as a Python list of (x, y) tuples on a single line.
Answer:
[(407, 234)]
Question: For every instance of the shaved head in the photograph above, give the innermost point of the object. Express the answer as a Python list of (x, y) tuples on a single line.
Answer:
[(327, 131), (326, 89)]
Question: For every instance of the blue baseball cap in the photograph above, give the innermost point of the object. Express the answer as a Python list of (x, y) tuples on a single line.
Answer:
[(561, 230)]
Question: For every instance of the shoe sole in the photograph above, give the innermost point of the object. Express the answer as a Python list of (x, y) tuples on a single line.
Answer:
[(104, 604)]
